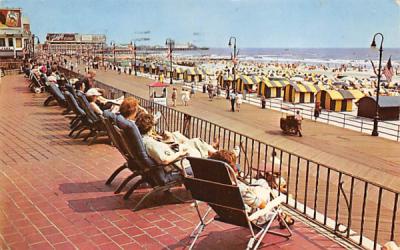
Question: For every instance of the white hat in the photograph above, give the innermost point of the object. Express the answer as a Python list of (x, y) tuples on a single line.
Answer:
[(93, 92)]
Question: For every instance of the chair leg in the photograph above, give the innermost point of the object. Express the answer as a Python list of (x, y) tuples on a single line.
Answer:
[(116, 172), (123, 184), (89, 135), (80, 131), (76, 127), (132, 189), (200, 226), (155, 190), (48, 100), (96, 134)]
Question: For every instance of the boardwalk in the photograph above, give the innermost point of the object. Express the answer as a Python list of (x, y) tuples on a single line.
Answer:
[(53, 194)]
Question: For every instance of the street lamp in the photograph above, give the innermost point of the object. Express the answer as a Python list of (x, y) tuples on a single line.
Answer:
[(133, 50), (33, 44), (170, 43), (233, 60), (113, 44), (373, 45)]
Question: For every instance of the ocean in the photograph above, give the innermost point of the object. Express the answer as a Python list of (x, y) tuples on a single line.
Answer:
[(334, 56)]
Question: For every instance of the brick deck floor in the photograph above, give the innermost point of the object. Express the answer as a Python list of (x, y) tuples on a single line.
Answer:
[(53, 196)]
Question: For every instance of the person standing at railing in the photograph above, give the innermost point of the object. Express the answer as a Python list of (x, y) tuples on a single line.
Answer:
[(263, 102), (317, 110), (299, 119)]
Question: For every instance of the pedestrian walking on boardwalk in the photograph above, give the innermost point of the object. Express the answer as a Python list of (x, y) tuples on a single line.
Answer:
[(174, 97), (185, 97), (299, 119), (239, 100), (232, 98)]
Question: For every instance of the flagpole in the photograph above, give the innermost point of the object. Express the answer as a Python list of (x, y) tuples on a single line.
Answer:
[(373, 45)]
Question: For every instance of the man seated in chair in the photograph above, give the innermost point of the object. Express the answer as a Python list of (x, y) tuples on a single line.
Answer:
[(255, 195)]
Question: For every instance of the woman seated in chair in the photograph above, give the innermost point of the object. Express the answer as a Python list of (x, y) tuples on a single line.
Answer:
[(255, 195), (163, 152), (98, 103)]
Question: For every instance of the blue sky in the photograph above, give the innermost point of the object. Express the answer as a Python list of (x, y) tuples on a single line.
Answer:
[(255, 23)]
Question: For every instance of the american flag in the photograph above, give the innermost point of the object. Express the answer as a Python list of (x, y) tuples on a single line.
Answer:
[(388, 70)]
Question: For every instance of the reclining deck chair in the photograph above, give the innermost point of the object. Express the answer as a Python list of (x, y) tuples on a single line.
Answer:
[(36, 86), (96, 126), (80, 122), (55, 94), (150, 172), (110, 120), (213, 182)]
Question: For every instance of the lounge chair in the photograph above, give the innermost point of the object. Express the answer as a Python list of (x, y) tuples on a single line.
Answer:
[(110, 120), (150, 172), (55, 94), (213, 182), (96, 126)]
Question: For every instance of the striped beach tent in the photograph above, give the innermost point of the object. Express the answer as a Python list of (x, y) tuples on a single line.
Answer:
[(245, 82), (178, 73), (272, 87), (300, 93), (193, 74), (338, 100), (225, 81)]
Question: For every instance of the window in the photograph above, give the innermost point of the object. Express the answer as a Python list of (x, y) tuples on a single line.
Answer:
[(2, 42), (10, 42), (18, 43)]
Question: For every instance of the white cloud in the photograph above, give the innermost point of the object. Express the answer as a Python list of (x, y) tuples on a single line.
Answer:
[(397, 2)]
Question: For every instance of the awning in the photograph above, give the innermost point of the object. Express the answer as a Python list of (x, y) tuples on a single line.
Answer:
[(342, 94), (158, 85), (194, 71), (305, 88), (247, 80), (275, 83)]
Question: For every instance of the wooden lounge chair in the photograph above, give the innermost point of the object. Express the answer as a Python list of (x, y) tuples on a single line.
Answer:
[(214, 182)]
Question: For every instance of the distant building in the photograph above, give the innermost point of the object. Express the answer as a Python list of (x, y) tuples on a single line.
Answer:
[(15, 35), (74, 43)]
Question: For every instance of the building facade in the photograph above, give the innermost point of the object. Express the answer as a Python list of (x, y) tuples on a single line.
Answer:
[(74, 43), (15, 35)]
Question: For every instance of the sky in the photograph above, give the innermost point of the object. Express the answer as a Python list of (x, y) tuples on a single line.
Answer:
[(255, 23)]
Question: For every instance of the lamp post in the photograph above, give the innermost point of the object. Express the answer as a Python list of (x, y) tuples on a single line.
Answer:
[(113, 44), (33, 44), (233, 60), (373, 45), (133, 51), (102, 55), (170, 43)]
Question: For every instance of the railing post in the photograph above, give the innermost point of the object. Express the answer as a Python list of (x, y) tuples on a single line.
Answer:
[(328, 116), (362, 124), (398, 132), (344, 121)]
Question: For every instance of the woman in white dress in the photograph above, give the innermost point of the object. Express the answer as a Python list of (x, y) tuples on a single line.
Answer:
[(239, 100), (185, 97)]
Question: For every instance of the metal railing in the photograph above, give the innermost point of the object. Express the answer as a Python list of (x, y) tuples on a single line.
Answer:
[(355, 209)]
